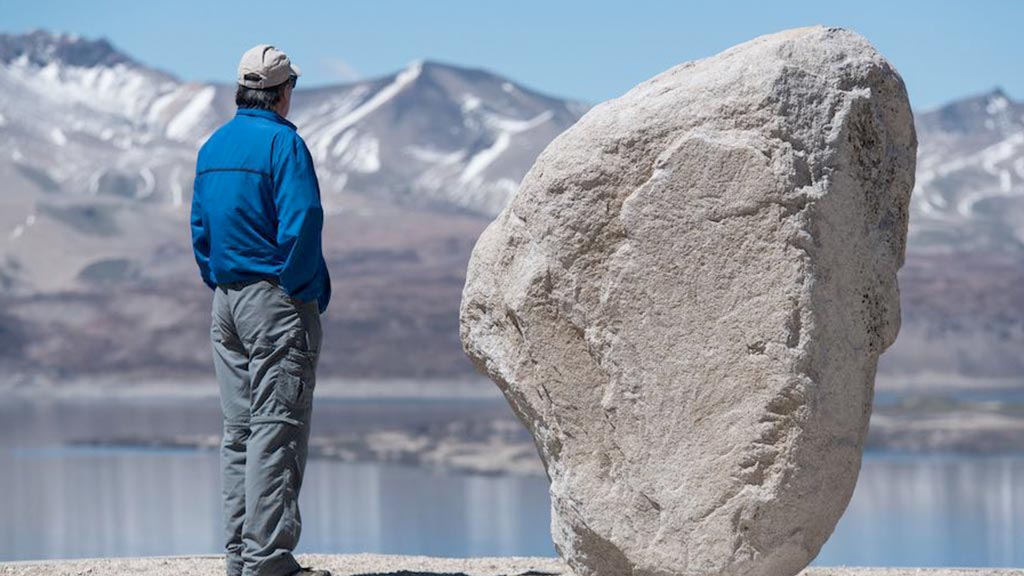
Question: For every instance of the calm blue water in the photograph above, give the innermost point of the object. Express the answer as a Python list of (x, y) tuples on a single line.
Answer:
[(57, 501)]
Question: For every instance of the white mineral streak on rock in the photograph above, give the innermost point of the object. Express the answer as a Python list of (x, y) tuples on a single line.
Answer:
[(686, 299)]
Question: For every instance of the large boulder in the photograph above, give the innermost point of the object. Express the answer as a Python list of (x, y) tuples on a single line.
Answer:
[(686, 298)]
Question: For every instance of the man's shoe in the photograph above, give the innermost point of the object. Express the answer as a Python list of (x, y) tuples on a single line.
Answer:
[(307, 571)]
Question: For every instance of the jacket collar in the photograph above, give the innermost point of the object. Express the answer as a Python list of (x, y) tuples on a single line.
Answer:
[(268, 114)]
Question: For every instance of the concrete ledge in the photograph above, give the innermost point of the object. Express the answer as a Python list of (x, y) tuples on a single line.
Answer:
[(396, 565)]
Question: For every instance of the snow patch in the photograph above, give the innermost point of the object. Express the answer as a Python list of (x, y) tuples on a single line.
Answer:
[(148, 183), (50, 72), (507, 87), (118, 89), (316, 125), (470, 103), (435, 156), (20, 228), (402, 79), (177, 194), (996, 105), (191, 115), (506, 127), (515, 126), (999, 152), (364, 155), (507, 184), (484, 158), (342, 144), (94, 182), (340, 181), (156, 110), (58, 137)]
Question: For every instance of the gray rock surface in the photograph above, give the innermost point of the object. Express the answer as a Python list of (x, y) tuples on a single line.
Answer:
[(686, 299)]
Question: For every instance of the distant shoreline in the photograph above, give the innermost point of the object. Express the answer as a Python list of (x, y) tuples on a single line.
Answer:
[(327, 388), (910, 419), (128, 385)]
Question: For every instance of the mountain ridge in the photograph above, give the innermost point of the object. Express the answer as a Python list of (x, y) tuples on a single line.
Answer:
[(97, 276), (473, 110), (38, 46)]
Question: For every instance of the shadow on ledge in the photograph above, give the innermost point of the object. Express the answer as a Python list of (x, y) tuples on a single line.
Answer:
[(408, 573)]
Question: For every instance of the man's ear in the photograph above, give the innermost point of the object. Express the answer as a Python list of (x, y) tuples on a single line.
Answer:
[(286, 100)]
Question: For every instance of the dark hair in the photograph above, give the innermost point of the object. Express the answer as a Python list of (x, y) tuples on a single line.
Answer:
[(262, 99)]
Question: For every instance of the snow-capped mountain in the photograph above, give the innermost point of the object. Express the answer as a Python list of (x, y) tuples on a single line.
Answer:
[(87, 89), (969, 193), (97, 154), (431, 133), (97, 158), (97, 121), (97, 145)]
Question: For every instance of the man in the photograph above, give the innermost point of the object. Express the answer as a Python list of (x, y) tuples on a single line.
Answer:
[(256, 225)]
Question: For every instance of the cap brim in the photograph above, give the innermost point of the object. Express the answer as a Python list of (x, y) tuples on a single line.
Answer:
[(295, 70)]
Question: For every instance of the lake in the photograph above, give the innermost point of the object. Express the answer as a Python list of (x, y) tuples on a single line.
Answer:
[(61, 501)]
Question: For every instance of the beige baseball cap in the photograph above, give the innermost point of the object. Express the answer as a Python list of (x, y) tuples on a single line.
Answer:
[(264, 66)]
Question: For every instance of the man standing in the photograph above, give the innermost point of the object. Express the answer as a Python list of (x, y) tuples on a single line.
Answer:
[(256, 225)]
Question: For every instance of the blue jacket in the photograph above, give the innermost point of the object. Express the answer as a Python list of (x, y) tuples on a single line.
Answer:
[(256, 209)]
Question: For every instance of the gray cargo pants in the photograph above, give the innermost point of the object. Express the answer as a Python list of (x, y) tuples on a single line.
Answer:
[(265, 350)]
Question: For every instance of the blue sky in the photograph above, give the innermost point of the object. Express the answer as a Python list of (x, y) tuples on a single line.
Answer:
[(588, 50)]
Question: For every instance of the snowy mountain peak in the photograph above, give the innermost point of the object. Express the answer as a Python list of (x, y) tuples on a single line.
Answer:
[(996, 101), (40, 48), (431, 133), (997, 92), (992, 112), (87, 88), (416, 66), (410, 73), (970, 174)]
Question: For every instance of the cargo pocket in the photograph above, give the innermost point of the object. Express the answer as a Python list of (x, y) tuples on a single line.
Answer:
[(297, 378)]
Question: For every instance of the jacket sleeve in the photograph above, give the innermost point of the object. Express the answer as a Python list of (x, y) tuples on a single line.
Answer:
[(200, 237), (299, 217)]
